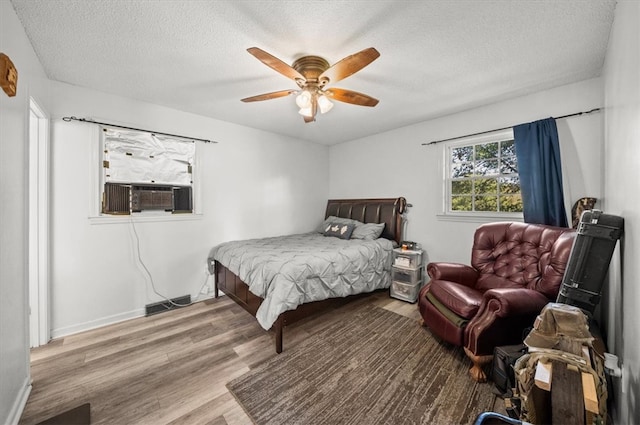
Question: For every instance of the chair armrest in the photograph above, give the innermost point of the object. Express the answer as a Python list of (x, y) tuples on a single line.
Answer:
[(506, 302), (502, 317), (453, 272)]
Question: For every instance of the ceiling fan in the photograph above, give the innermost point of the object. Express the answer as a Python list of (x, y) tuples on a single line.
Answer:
[(312, 74)]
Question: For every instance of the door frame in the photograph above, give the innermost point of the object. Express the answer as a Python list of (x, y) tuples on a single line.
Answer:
[(38, 239)]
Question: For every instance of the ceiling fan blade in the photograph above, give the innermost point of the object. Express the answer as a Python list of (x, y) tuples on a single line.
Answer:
[(267, 96), (350, 65), (350, 96), (275, 63)]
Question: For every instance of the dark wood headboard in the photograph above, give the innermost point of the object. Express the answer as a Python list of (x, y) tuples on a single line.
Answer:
[(384, 210)]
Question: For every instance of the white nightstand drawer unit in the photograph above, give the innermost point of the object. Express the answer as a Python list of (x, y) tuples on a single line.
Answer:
[(406, 258), (405, 291), (406, 275)]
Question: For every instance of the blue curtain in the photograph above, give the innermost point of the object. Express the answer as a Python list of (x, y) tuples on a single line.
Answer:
[(538, 154)]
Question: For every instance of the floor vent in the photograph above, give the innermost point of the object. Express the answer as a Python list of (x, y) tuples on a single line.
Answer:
[(160, 307)]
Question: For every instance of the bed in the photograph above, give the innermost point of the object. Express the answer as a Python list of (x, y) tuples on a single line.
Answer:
[(283, 279)]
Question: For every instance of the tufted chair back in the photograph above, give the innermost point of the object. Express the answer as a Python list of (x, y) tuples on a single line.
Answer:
[(521, 255)]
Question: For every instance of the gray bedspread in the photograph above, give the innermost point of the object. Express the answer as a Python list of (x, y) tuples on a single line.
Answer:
[(287, 271)]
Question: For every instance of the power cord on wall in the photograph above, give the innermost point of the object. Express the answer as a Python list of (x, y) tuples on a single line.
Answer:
[(153, 286)]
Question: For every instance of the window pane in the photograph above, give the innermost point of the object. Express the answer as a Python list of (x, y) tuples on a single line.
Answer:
[(461, 203), (509, 185), (462, 170), (461, 187), (507, 148), (462, 154), (509, 165), (486, 203), (486, 186), (487, 167), (511, 203), (487, 150)]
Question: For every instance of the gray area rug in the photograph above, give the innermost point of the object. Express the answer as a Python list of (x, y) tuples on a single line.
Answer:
[(369, 366)]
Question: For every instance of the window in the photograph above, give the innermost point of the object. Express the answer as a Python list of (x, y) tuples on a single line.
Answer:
[(146, 173), (482, 176)]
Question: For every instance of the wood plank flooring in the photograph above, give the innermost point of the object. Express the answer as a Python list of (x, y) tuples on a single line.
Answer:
[(171, 368)]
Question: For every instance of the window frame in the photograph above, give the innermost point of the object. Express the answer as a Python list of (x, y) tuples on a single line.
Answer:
[(447, 213)]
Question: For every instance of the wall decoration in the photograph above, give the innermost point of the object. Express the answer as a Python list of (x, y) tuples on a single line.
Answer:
[(8, 75)]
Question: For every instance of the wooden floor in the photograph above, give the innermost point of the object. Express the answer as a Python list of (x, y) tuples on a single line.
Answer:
[(165, 369)]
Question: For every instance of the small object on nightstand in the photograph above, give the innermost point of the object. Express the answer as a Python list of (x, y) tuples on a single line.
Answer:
[(409, 245), (406, 274)]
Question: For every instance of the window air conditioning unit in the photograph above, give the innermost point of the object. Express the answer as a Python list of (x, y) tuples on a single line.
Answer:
[(122, 198)]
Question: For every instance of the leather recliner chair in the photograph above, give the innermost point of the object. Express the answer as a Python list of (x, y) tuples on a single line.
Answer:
[(516, 269)]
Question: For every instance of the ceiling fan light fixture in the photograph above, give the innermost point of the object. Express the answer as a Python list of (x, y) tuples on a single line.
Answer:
[(307, 112), (324, 104), (303, 100)]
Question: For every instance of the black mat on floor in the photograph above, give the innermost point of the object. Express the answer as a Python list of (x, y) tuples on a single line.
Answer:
[(80, 415)]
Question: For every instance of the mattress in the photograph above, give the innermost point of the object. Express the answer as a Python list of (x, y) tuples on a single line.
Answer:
[(287, 271)]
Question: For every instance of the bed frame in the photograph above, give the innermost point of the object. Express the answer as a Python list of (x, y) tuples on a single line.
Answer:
[(384, 210)]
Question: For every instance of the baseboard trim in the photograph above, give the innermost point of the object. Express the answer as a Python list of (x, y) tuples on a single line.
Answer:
[(110, 320), (21, 401), (98, 323)]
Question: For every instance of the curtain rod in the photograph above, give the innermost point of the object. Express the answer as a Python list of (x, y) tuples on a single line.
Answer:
[(503, 128), (67, 119)]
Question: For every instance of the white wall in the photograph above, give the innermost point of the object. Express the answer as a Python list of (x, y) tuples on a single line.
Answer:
[(396, 164), (14, 322), (252, 179), (253, 184), (622, 186)]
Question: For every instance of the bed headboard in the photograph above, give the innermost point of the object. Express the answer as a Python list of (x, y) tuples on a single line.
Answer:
[(383, 210)]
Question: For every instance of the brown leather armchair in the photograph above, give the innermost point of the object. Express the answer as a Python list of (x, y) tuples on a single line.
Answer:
[(516, 269)]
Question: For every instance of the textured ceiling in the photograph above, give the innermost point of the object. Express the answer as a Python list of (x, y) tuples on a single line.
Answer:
[(437, 57)]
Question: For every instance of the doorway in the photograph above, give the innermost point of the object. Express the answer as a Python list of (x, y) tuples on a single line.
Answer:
[(38, 270)]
